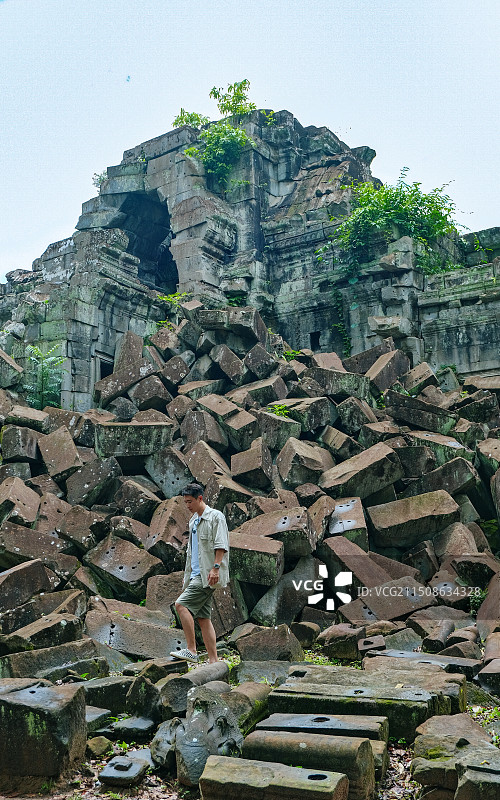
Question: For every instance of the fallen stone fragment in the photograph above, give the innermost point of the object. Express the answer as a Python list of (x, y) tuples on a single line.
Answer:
[(340, 444), (254, 466), (228, 777), (299, 462), (348, 520), (132, 438), (341, 641), (119, 382), (20, 583), (124, 566), (419, 414), (93, 482), (18, 503), (49, 721), (361, 475), (18, 544), (168, 533), (134, 500), (352, 755), (59, 454), (406, 522), (284, 601), (276, 643), (175, 690), (123, 771), (20, 444)]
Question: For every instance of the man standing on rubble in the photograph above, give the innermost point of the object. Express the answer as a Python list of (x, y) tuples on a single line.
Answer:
[(207, 566)]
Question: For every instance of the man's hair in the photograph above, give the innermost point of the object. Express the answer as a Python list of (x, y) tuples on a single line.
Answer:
[(193, 490)]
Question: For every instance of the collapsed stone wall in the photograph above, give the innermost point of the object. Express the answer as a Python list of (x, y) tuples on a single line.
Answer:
[(159, 225), (323, 469)]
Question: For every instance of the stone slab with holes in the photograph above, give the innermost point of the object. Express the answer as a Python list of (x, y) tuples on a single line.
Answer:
[(225, 777)]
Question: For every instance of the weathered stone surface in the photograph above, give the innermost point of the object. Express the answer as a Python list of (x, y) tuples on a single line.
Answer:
[(445, 448), (150, 393), (419, 414), (340, 385), (118, 383), (18, 544), (124, 566), (260, 362), (203, 462), (387, 369), (277, 643), (340, 444), (134, 500), (138, 632), (18, 503), (132, 438), (94, 482), (299, 462), (168, 533), (341, 641), (340, 554), (254, 467), (221, 489), (283, 602), (49, 721), (169, 470), (20, 583), (293, 528), (255, 559), (200, 426), (350, 754), (20, 444), (488, 453), (456, 477), (409, 521), (223, 777), (59, 454), (311, 412), (348, 520), (363, 474)]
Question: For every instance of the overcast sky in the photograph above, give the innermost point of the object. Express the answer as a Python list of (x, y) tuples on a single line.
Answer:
[(83, 80)]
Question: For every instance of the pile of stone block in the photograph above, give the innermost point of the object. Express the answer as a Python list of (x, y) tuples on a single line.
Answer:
[(353, 492)]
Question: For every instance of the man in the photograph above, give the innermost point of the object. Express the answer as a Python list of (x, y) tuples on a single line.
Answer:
[(207, 566)]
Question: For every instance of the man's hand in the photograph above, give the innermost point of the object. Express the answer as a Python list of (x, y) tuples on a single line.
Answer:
[(213, 577)]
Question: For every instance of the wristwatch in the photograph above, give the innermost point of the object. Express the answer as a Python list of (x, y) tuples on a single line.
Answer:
[(216, 566)]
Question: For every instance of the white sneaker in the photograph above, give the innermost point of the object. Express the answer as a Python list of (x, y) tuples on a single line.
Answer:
[(185, 655)]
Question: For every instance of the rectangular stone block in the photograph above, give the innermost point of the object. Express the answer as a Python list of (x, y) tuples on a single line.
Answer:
[(60, 454), (255, 559), (118, 383), (361, 475), (132, 438), (43, 731), (407, 522), (258, 780), (419, 414)]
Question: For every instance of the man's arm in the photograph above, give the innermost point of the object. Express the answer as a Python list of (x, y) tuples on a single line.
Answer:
[(213, 575)]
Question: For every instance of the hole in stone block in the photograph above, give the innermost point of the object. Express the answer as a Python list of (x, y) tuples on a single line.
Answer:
[(358, 691), (320, 719), (317, 777)]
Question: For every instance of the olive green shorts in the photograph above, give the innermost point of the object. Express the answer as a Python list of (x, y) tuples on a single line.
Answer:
[(197, 599)]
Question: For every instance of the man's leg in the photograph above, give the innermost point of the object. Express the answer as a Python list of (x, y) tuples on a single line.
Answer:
[(187, 623), (208, 633)]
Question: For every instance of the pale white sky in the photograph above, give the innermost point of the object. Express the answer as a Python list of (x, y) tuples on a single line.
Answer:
[(83, 80)]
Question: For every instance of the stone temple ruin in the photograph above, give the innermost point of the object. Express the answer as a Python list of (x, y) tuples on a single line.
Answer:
[(156, 226), (362, 494)]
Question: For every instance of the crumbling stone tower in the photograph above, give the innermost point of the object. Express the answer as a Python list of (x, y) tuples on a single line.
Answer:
[(158, 225)]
